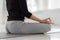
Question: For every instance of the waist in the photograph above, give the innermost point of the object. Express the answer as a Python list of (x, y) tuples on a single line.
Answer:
[(15, 19)]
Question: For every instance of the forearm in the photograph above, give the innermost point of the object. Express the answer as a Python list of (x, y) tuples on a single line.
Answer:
[(35, 18)]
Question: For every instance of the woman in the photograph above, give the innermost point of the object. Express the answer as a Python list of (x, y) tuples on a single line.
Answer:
[(17, 10)]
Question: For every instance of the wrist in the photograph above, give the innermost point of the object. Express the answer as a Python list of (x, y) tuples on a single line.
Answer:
[(41, 21)]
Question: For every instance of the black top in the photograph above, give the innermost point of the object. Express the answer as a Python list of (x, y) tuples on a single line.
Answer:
[(17, 10)]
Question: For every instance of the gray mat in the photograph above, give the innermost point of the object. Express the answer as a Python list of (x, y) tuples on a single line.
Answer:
[(6, 36)]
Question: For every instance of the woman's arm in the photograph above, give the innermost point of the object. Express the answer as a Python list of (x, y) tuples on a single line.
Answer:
[(35, 18), (47, 20)]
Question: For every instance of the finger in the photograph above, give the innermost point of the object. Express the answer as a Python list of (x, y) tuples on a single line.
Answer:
[(47, 19)]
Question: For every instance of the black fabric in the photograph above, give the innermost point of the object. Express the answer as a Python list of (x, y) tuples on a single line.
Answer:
[(17, 10)]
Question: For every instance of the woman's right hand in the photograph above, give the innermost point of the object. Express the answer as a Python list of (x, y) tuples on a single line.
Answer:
[(47, 20)]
